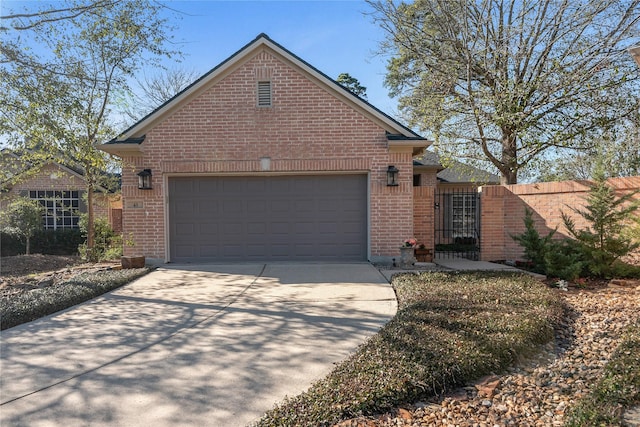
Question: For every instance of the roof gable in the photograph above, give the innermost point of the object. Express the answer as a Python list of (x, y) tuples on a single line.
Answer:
[(130, 139)]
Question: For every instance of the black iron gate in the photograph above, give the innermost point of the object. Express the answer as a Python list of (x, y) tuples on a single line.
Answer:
[(457, 223)]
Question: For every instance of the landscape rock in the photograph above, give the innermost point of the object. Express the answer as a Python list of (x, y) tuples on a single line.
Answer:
[(542, 390)]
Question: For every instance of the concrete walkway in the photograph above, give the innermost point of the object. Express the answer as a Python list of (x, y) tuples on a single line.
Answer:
[(214, 345), (454, 264), (463, 264)]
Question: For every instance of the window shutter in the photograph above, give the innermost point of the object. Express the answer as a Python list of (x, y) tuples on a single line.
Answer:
[(264, 94)]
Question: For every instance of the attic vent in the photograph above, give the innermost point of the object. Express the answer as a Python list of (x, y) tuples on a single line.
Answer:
[(264, 94)]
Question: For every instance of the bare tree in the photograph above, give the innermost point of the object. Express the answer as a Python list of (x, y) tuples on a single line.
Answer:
[(506, 81), (154, 90)]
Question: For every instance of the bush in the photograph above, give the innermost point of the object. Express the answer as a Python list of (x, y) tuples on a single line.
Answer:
[(47, 242), (22, 218), (604, 241), (107, 244), (564, 259), (535, 247)]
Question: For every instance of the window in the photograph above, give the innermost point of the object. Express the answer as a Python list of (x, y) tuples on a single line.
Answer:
[(264, 94), (463, 215), (61, 208)]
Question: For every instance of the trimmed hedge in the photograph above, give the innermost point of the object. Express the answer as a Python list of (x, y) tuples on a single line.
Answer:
[(46, 242)]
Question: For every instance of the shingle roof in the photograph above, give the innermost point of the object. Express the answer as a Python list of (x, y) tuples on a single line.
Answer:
[(457, 172)]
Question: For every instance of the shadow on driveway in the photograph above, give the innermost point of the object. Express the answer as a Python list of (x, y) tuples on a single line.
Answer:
[(190, 345)]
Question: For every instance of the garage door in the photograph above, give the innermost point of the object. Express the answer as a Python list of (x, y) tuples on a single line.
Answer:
[(304, 218)]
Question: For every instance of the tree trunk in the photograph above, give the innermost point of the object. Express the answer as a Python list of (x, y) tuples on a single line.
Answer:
[(28, 246), (90, 223), (509, 158)]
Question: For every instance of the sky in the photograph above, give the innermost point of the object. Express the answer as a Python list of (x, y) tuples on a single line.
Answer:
[(334, 36)]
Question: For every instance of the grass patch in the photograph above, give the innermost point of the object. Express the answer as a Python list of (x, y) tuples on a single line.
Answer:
[(619, 387), (450, 328), (27, 306)]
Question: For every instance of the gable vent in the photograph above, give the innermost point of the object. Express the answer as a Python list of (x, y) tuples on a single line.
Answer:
[(264, 94)]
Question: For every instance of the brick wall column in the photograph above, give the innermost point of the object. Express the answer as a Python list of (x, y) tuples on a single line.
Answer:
[(492, 215), (423, 215)]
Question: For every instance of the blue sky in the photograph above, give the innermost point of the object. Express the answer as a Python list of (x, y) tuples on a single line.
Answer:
[(333, 36)]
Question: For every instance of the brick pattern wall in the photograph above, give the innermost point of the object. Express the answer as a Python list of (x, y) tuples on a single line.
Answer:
[(52, 177), (503, 211), (423, 215), (222, 131)]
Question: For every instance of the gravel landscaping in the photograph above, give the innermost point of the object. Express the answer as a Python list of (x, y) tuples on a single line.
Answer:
[(542, 391)]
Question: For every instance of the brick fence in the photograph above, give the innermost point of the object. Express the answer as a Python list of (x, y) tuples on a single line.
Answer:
[(502, 211)]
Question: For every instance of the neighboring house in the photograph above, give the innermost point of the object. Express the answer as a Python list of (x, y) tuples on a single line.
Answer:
[(267, 158), (59, 188)]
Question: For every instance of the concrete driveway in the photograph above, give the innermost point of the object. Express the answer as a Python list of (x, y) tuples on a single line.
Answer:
[(208, 345)]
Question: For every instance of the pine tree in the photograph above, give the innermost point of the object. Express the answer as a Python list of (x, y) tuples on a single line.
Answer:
[(603, 241)]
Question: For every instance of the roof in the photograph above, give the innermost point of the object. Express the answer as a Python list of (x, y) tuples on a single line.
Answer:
[(131, 139), (456, 172), (19, 166)]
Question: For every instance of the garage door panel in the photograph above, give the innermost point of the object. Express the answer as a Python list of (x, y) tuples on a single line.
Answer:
[(280, 227), (258, 228), (209, 228), (268, 218), (256, 206)]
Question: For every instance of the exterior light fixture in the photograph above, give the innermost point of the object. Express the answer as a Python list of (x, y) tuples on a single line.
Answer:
[(144, 179), (436, 205), (392, 176)]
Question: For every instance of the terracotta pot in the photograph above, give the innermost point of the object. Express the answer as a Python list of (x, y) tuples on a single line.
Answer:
[(423, 255), (132, 261)]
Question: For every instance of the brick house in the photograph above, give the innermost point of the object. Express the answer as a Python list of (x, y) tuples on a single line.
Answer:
[(59, 188), (266, 158)]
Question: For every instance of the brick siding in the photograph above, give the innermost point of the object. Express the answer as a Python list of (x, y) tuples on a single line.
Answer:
[(307, 130), (502, 211), (53, 177)]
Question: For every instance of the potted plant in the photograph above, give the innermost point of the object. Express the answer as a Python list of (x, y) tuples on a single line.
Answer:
[(423, 254), (407, 251), (135, 261)]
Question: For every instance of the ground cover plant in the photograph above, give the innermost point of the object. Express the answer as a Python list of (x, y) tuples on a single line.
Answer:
[(618, 388), (450, 329), (34, 303)]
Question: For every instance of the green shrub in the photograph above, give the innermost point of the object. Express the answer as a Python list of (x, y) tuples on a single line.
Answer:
[(107, 243), (603, 242), (564, 259), (47, 242), (535, 247), (22, 218)]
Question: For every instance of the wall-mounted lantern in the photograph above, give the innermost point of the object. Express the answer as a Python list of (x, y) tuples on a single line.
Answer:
[(436, 205), (392, 176), (144, 179)]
